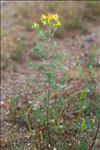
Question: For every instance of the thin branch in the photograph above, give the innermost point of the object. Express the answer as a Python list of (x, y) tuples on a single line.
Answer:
[(95, 137), (47, 117)]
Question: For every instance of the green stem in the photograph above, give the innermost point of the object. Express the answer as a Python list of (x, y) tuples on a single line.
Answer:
[(30, 130), (49, 137)]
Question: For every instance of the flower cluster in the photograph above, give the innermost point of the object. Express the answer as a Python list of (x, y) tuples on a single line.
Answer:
[(35, 26), (49, 20)]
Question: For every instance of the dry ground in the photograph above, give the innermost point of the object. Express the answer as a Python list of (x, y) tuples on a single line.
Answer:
[(17, 35)]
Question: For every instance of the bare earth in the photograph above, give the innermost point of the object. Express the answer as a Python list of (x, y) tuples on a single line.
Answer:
[(15, 76)]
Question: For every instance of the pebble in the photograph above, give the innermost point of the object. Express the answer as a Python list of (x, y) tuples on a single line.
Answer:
[(89, 40), (29, 144)]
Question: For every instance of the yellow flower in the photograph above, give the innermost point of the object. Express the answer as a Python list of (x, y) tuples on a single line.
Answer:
[(35, 25), (51, 19), (57, 24), (44, 19), (55, 17)]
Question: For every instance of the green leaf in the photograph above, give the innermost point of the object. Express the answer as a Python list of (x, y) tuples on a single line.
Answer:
[(83, 125), (98, 107), (42, 35), (17, 147), (98, 112), (39, 51), (50, 75), (41, 135), (82, 145), (34, 66), (92, 70), (84, 96), (60, 59), (45, 99), (38, 114), (12, 104)]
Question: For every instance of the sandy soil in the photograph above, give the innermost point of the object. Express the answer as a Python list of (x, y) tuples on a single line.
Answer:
[(15, 76)]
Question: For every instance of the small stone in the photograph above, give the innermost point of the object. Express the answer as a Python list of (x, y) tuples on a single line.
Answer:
[(29, 144)]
